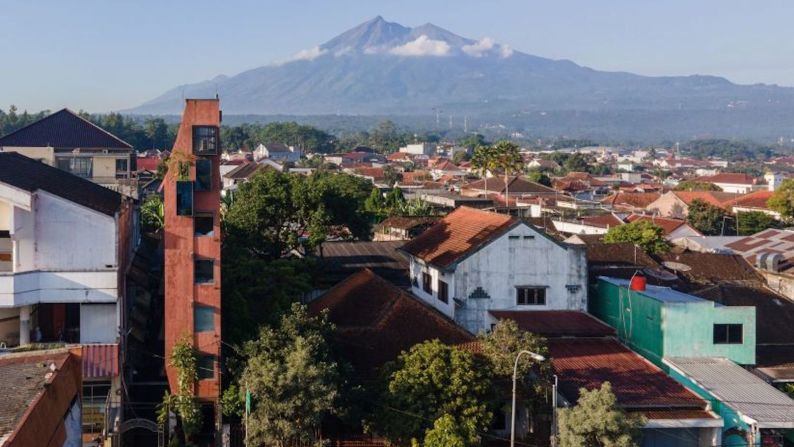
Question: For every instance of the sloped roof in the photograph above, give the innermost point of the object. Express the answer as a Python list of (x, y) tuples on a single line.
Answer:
[(64, 129), (244, 170), (768, 241), (602, 220), (716, 198), (343, 258), (407, 222), (631, 199), (739, 389), (667, 224), (756, 199), (637, 383), (460, 233), (556, 323), (728, 177), (375, 321), (32, 175), (516, 185)]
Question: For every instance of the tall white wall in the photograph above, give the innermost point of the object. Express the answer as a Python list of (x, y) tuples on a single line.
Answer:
[(98, 323), (71, 237)]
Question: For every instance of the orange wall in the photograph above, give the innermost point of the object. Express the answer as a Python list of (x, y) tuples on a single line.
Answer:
[(182, 247)]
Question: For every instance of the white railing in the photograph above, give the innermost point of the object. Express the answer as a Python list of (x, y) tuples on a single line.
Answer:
[(24, 288)]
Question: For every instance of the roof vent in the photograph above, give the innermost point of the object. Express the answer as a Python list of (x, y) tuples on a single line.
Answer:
[(676, 266)]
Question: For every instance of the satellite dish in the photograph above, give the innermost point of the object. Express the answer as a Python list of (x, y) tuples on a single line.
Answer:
[(676, 266), (663, 275)]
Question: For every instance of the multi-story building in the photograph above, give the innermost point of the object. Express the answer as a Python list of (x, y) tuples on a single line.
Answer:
[(70, 142), (472, 262), (192, 245), (65, 245)]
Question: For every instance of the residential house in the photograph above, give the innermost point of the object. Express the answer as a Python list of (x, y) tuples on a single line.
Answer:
[(755, 201), (672, 228), (41, 399), (70, 142), (737, 183), (241, 173), (543, 165), (473, 261), (402, 228), (419, 149), (594, 224), (676, 203), (774, 180), (192, 258), (516, 186), (630, 202), (278, 152), (444, 168), (65, 246), (341, 259)]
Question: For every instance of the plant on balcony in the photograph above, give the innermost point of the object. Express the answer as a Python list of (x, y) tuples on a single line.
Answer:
[(182, 404), (180, 163)]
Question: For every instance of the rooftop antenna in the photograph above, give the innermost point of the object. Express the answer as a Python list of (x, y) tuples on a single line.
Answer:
[(466, 124)]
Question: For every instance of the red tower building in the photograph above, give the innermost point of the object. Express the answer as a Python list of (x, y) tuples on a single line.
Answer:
[(193, 245)]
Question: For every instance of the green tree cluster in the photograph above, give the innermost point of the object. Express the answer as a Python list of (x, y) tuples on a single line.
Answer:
[(694, 185), (782, 200), (753, 222), (152, 214), (290, 133), (709, 219), (643, 233), (597, 421)]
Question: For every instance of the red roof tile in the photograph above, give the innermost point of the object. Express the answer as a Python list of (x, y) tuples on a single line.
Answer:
[(631, 199), (602, 220), (757, 199), (589, 362), (516, 185), (728, 177), (457, 235), (667, 224), (720, 199), (375, 320), (556, 323)]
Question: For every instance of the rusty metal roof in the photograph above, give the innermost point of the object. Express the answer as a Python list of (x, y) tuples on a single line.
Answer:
[(556, 323)]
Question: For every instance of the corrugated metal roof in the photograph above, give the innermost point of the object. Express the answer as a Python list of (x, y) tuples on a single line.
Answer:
[(739, 389), (556, 323), (100, 361)]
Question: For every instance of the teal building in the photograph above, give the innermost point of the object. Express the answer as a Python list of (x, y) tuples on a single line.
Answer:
[(661, 322)]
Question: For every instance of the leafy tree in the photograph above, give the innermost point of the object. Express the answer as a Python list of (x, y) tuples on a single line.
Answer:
[(427, 382), (391, 176), (473, 141), (447, 432), (597, 421), (376, 203), (293, 379), (156, 130), (539, 177), (709, 219), (415, 207), (183, 402), (577, 163), (753, 222), (694, 185), (507, 160), (641, 232), (483, 162), (460, 157), (152, 217), (782, 200)]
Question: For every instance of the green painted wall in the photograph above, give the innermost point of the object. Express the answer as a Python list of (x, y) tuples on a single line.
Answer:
[(657, 329)]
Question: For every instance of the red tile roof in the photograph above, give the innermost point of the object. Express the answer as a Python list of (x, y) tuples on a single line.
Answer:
[(556, 323), (631, 199), (516, 185), (147, 163), (602, 221), (716, 198), (457, 235), (375, 173), (757, 199), (637, 383), (667, 224), (728, 177), (375, 320)]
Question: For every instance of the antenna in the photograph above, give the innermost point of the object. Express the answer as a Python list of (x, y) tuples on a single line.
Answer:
[(466, 124)]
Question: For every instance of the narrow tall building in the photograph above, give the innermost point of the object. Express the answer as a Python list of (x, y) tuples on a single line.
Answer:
[(193, 246)]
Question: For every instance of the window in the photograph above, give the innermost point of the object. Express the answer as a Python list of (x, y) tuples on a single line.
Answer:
[(203, 271), (727, 334), (205, 366), (205, 140), (203, 224), (203, 175), (184, 198), (443, 292), (427, 282), (514, 237), (122, 164), (79, 166), (203, 318), (530, 296)]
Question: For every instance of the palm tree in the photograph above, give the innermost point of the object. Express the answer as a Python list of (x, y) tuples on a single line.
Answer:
[(507, 159), (483, 162)]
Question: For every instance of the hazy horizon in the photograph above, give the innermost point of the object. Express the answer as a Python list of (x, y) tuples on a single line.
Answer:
[(104, 56)]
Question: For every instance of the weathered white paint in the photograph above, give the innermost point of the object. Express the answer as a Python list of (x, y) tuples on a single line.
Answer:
[(25, 288), (521, 257), (577, 228), (98, 323)]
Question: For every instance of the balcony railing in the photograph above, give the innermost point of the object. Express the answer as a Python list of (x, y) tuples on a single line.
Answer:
[(24, 288)]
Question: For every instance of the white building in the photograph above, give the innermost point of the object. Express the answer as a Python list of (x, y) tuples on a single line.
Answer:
[(419, 149), (277, 152), (473, 261), (64, 246)]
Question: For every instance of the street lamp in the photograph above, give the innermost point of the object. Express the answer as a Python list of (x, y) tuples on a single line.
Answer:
[(537, 357)]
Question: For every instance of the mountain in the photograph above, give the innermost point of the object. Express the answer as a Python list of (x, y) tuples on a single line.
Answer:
[(384, 68)]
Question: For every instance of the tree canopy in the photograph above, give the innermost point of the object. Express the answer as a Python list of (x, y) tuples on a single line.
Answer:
[(641, 232), (293, 379), (753, 222), (429, 382), (694, 185), (782, 200), (709, 219), (598, 421)]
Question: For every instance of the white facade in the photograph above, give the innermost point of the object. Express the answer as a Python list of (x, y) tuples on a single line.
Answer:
[(57, 252), (291, 154), (736, 188), (419, 149), (489, 279)]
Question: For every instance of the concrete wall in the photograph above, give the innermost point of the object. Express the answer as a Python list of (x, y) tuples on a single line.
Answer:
[(669, 205), (71, 237), (99, 323), (529, 258), (655, 329), (46, 154)]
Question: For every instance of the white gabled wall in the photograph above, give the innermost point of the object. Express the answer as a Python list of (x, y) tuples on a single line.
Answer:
[(531, 259), (70, 237)]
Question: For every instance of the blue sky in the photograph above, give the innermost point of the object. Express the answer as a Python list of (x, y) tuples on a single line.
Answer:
[(102, 55)]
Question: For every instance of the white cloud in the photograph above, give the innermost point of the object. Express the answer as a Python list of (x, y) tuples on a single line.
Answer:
[(479, 48), (309, 54), (505, 51), (344, 51), (422, 46)]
